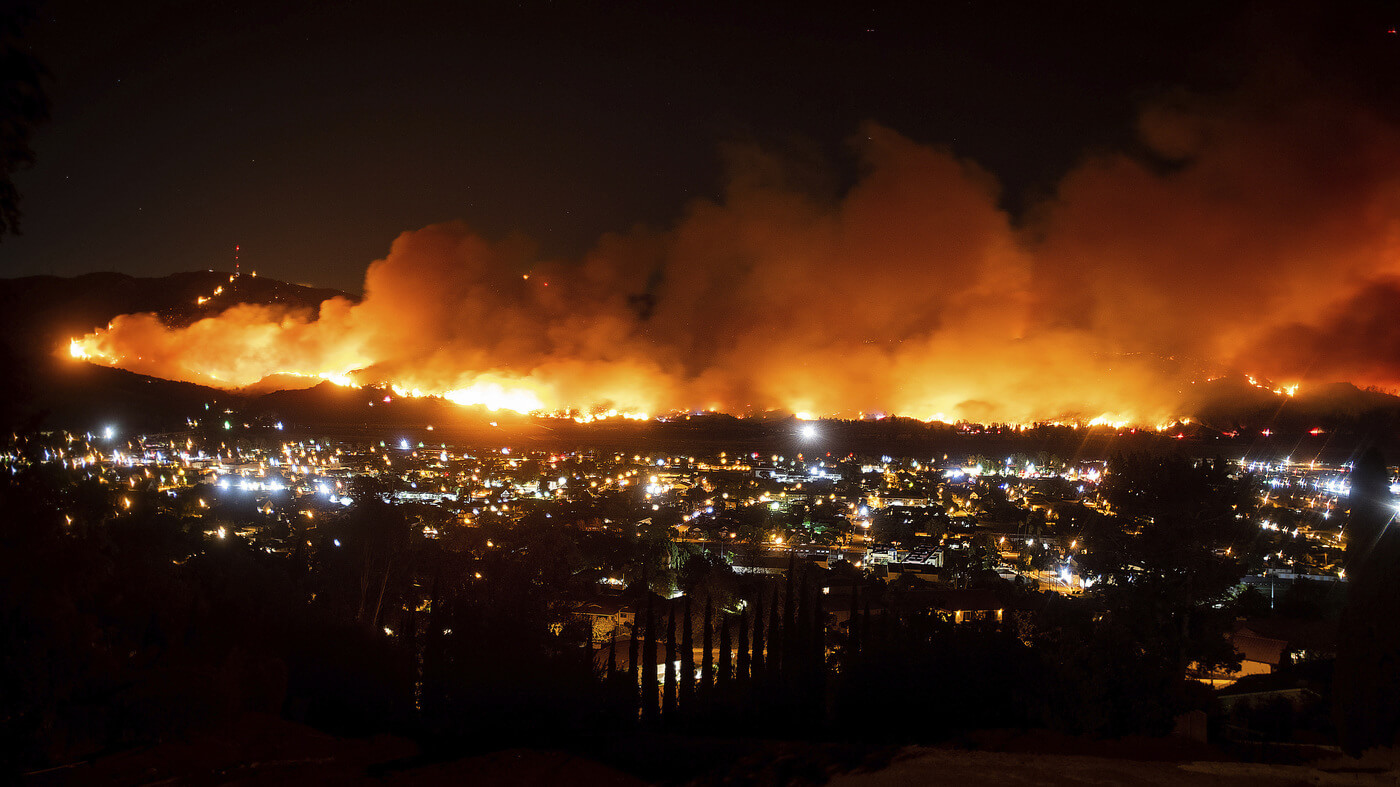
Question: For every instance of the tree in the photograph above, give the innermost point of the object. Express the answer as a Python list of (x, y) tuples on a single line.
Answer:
[(774, 655), (686, 699), (726, 671), (649, 687), (1167, 564), (787, 660), (634, 676), (706, 573), (1035, 523), (853, 628), (759, 674), (1367, 687), (742, 674), (816, 688), (707, 660), (612, 655), (668, 697), (1167, 560)]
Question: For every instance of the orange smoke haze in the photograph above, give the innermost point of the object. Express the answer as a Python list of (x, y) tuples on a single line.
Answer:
[(1261, 235)]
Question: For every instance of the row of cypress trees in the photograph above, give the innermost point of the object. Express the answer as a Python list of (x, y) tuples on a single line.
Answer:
[(755, 665), (773, 667)]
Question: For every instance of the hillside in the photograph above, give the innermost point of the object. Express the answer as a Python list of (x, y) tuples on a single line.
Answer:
[(43, 387), (39, 314)]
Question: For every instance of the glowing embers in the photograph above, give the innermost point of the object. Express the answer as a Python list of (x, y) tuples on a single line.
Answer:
[(1290, 390)]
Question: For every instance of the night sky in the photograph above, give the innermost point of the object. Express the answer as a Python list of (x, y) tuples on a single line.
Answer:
[(313, 133)]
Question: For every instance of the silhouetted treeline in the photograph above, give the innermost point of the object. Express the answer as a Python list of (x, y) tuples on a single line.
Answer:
[(123, 630), (905, 677), (1368, 683)]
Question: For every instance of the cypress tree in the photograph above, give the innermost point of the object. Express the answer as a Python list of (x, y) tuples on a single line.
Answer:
[(686, 700), (759, 674), (789, 612), (707, 659), (891, 625), (865, 627), (411, 648), (433, 595), (649, 685), (725, 672), (432, 652), (853, 627), (611, 684), (668, 697), (741, 677), (612, 656), (817, 688), (775, 644), (793, 662), (634, 658), (799, 652), (299, 557)]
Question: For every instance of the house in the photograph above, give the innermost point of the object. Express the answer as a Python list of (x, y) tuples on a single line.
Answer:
[(606, 616), (776, 562), (1259, 655), (968, 605), (928, 572), (1307, 685), (926, 551), (956, 605), (879, 554)]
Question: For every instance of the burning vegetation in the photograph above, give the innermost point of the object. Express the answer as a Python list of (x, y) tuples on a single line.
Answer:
[(1245, 236)]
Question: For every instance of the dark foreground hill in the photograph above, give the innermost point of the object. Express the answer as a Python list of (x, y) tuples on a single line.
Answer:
[(263, 749)]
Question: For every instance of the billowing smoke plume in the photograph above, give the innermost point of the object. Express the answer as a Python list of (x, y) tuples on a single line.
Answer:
[(1260, 235)]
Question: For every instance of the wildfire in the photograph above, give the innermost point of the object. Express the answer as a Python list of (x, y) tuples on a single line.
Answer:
[(912, 294), (1290, 390), (250, 345), (495, 396), (497, 391)]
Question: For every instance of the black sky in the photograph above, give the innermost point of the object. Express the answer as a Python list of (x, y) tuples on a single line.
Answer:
[(313, 133)]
